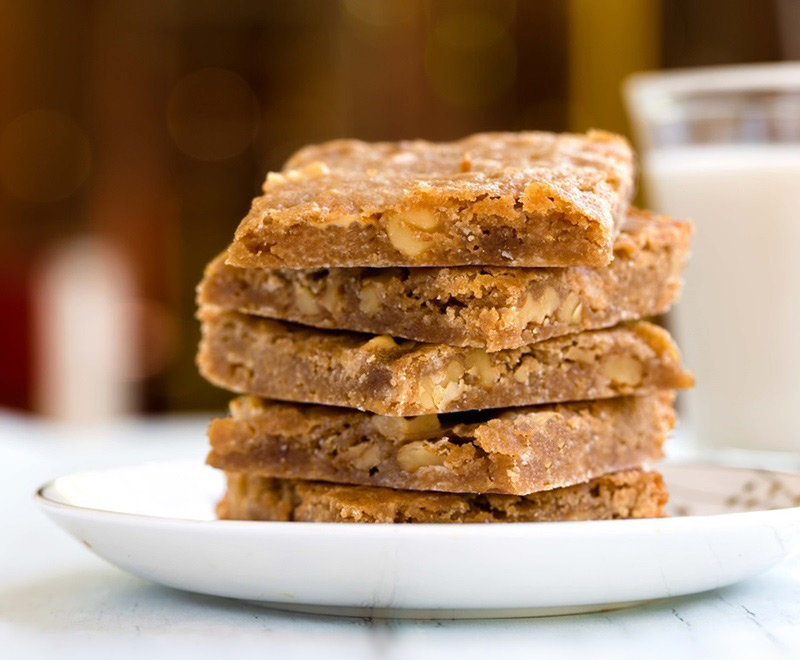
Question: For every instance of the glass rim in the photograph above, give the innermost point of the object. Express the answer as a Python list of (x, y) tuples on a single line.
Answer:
[(657, 99), (775, 76)]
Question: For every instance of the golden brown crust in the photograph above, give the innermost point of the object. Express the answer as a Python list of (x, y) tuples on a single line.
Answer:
[(490, 307), (517, 451), (508, 199), (276, 360), (631, 494)]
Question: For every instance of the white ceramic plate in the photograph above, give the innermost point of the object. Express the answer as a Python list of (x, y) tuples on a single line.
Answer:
[(157, 521)]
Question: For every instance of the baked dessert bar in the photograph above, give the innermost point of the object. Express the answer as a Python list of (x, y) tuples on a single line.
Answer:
[(486, 307), (516, 451), (252, 355), (505, 199), (630, 494)]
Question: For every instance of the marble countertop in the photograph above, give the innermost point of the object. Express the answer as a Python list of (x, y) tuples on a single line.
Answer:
[(57, 600)]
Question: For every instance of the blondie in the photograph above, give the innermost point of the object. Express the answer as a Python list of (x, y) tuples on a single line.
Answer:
[(276, 360), (631, 494), (505, 199), (516, 451), (485, 307)]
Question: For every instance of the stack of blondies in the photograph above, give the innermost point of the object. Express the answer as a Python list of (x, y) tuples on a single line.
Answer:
[(445, 332)]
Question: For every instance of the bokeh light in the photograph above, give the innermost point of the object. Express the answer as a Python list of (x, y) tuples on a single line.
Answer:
[(44, 156), (150, 126), (213, 114), (157, 340), (383, 13), (470, 60)]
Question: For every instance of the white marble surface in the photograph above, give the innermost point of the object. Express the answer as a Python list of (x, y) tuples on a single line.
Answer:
[(57, 600)]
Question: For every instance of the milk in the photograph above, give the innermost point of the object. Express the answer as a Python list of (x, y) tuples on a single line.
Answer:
[(738, 320)]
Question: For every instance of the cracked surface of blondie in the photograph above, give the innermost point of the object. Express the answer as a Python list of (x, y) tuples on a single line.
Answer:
[(507, 199)]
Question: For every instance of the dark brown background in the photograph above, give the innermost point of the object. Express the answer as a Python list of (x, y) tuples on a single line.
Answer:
[(152, 123)]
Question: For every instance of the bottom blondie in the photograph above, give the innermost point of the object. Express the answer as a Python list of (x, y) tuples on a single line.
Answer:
[(629, 494)]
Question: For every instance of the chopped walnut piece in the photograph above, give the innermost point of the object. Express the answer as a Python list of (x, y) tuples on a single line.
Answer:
[(411, 428), (404, 238), (522, 373), (305, 300), (571, 309), (623, 369), (330, 298), (369, 299), (439, 389), (537, 309), (364, 456), (578, 354), (273, 179), (313, 169), (380, 343), (479, 365), (543, 417), (424, 219), (415, 455)]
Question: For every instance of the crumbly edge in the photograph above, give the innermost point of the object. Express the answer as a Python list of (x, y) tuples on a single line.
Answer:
[(624, 495), (490, 308), (463, 236), (518, 451), (258, 356)]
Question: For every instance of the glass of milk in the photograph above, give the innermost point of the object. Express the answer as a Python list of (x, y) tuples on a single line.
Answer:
[(721, 146)]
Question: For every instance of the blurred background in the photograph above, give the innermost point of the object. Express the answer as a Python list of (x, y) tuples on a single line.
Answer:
[(133, 135)]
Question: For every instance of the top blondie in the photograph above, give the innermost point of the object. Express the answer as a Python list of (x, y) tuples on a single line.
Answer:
[(495, 199)]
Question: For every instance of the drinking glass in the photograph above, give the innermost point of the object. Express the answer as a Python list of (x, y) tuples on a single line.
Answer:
[(721, 146)]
